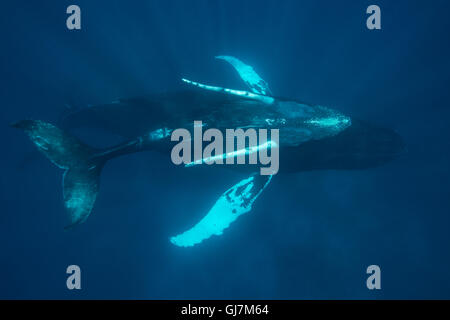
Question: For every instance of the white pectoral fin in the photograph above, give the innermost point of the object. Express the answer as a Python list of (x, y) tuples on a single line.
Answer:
[(248, 74), (233, 154), (233, 203), (239, 93)]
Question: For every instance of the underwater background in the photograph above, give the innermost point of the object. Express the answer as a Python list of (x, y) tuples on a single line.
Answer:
[(310, 235)]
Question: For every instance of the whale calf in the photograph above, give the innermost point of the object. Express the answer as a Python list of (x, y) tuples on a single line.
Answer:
[(311, 137)]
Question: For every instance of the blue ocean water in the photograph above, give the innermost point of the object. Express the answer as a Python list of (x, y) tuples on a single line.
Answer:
[(310, 235)]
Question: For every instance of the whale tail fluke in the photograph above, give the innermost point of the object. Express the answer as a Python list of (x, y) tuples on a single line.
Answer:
[(81, 177)]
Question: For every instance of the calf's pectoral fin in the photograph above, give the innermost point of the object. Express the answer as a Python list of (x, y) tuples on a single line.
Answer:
[(249, 75)]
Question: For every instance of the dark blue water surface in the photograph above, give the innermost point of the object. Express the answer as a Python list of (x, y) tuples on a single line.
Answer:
[(310, 235)]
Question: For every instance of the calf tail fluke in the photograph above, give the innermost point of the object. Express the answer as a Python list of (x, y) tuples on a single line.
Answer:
[(82, 170)]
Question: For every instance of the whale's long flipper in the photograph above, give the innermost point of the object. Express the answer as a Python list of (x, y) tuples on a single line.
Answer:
[(82, 169), (248, 74), (233, 154), (233, 203), (240, 93)]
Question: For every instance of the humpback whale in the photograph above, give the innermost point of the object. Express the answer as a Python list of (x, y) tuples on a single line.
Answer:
[(311, 137)]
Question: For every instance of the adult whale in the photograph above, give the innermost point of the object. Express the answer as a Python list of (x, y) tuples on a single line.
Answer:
[(311, 137)]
